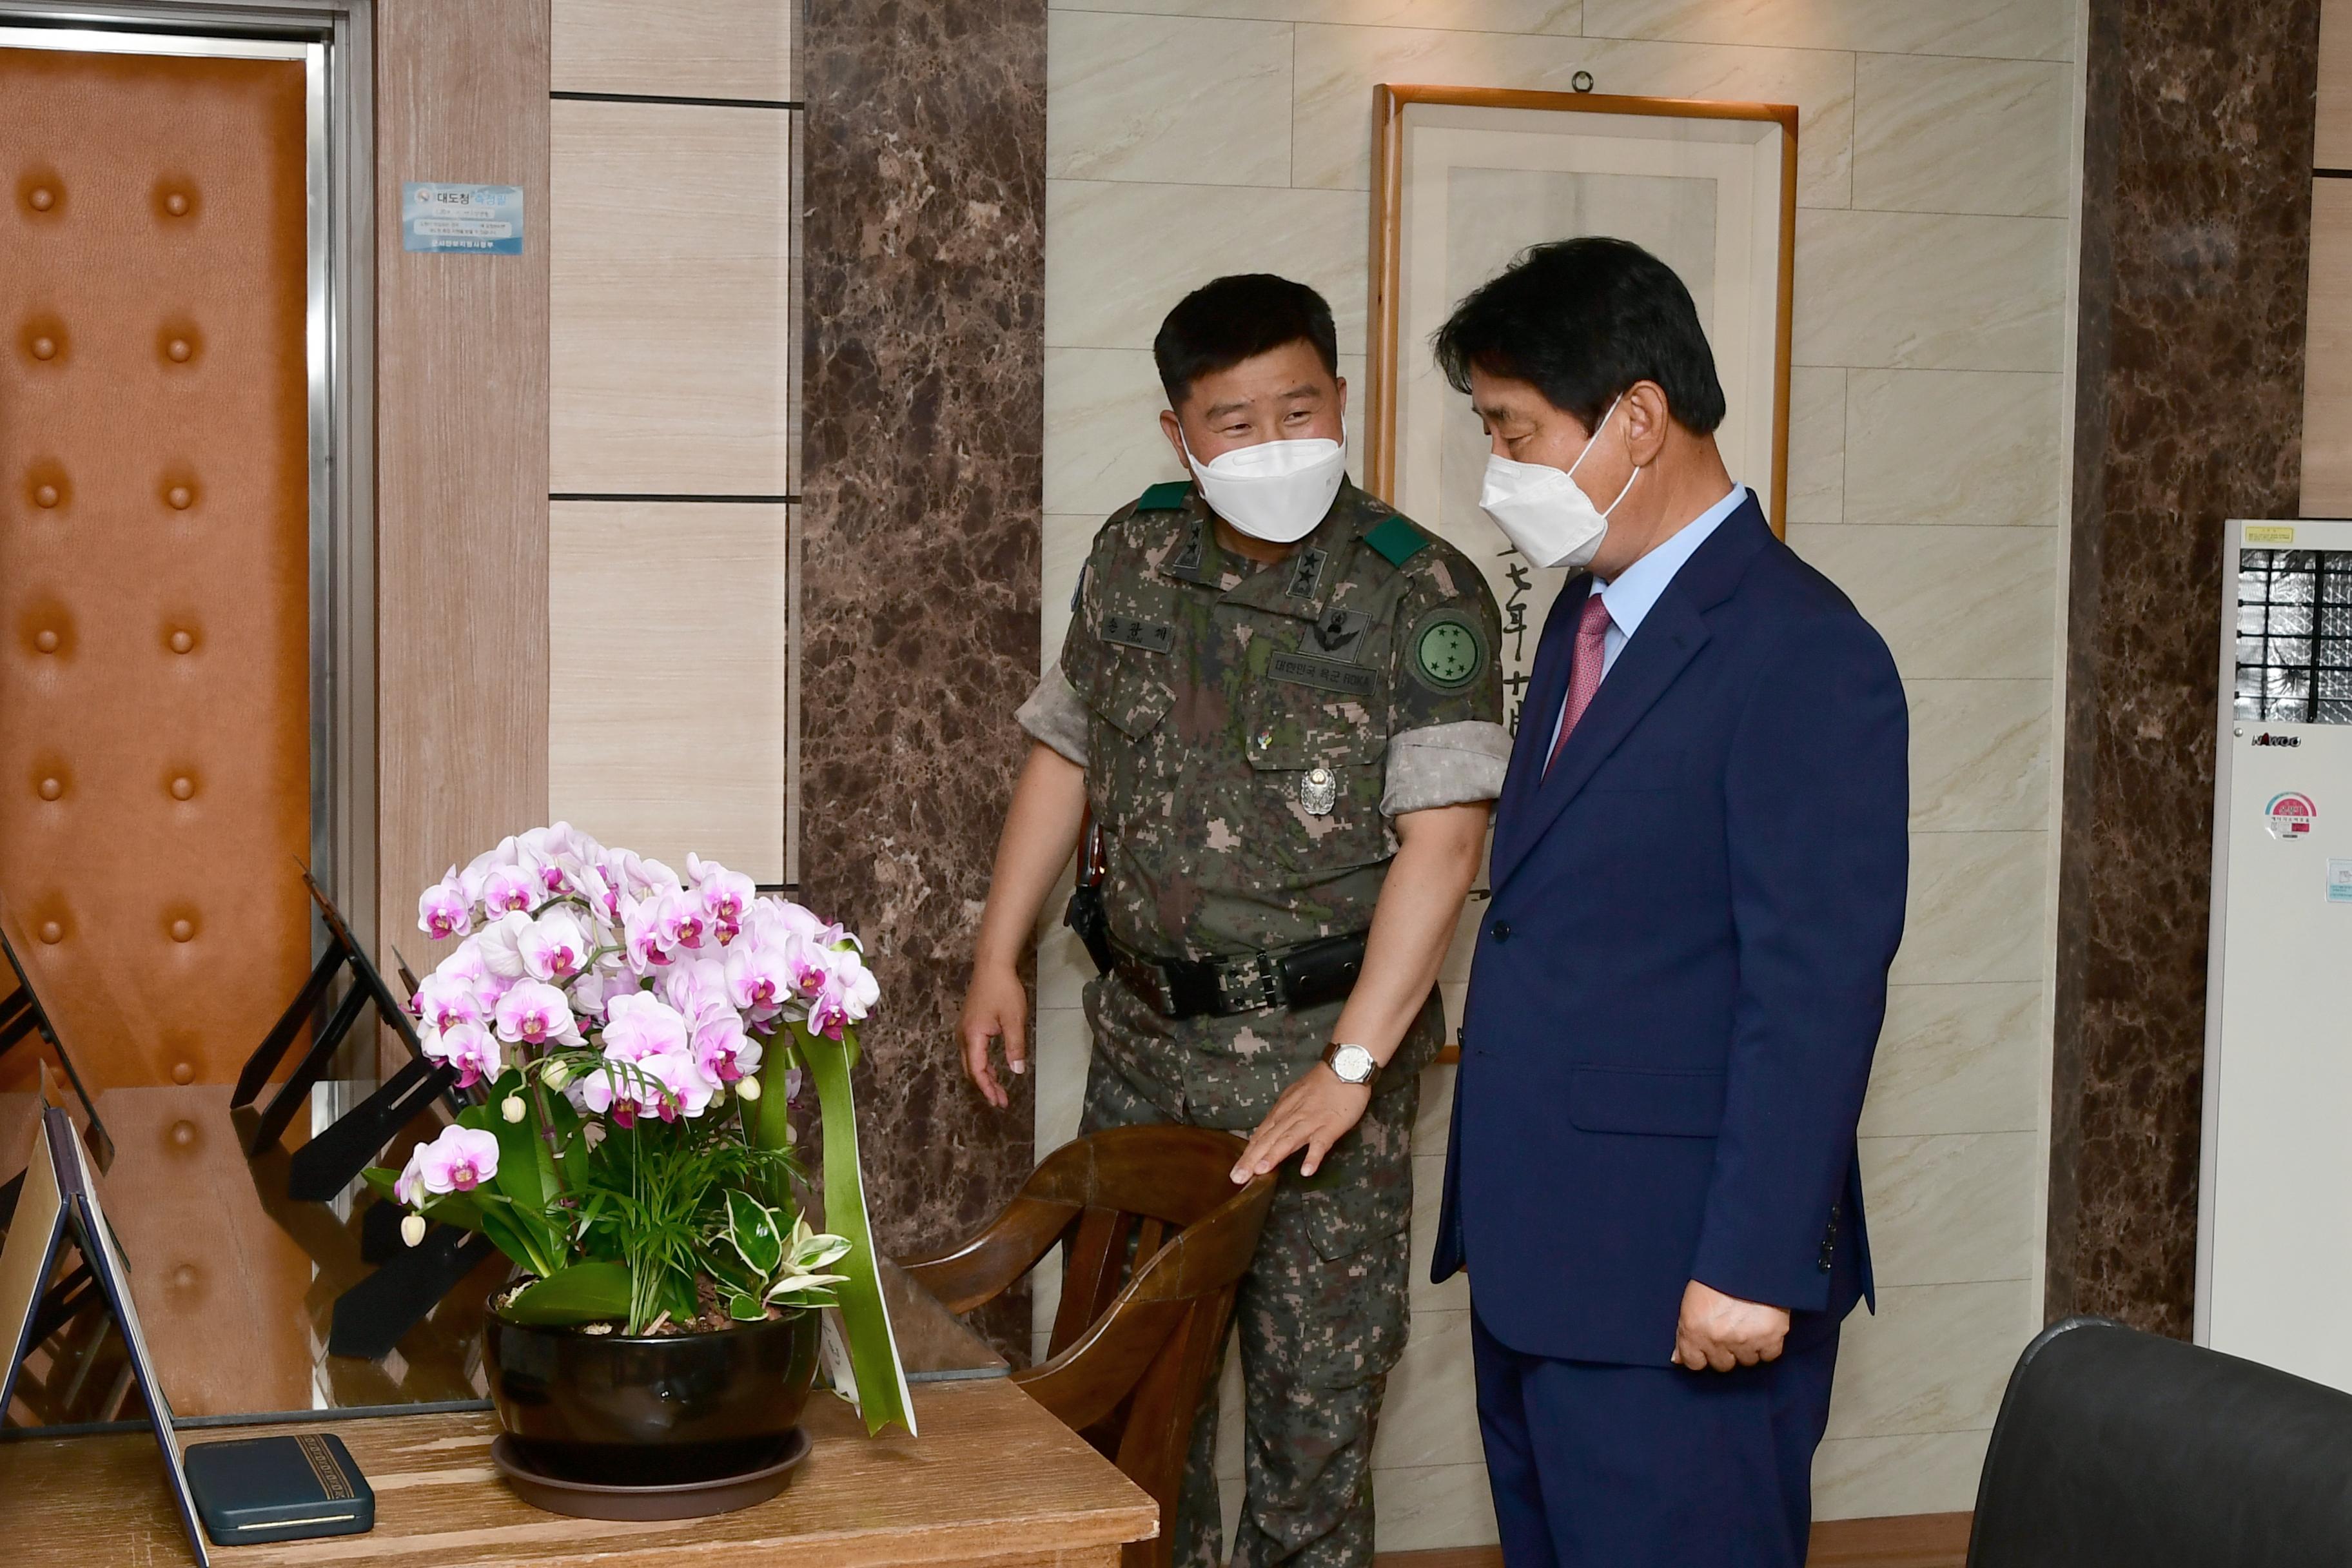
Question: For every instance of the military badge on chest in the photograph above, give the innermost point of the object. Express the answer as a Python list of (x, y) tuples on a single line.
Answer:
[(1319, 791)]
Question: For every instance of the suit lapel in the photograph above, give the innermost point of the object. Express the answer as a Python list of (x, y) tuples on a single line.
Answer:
[(1670, 635)]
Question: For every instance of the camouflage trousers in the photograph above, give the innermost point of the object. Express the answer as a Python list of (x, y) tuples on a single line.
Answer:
[(1321, 1316)]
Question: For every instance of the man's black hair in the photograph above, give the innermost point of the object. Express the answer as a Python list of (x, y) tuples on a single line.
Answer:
[(1581, 321), (1223, 322)]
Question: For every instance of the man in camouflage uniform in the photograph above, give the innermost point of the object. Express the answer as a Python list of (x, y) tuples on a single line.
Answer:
[(1261, 742)]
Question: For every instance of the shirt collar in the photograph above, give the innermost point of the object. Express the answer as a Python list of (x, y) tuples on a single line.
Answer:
[(1629, 598)]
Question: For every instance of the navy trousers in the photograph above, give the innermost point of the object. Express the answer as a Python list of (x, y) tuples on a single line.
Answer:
[(1597, 1466)]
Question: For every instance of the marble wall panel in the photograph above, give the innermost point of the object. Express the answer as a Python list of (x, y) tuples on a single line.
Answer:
[(2195, 255), (1930, 290), (1950, 1208), (2024, 29), (1968, 447), (1125, 253), (1976, 908), (1336, 66), (1958, 1058), (1919, 1472), (1183, 98), (1816, 444), (1962, 135), (924, 228), (1979, 755), (1938, 1358), (1954, 603)]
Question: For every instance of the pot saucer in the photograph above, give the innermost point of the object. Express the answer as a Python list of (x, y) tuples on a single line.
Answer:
[(686, 1499)]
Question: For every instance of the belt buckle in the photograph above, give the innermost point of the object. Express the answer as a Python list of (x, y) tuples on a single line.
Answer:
[(1250, 985)]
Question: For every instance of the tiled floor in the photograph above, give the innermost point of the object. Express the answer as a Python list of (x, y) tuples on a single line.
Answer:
[(1916, 1540)]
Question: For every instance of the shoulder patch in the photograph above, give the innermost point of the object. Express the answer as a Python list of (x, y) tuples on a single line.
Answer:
[(1397, 541), (1449, 650), (1168, 497)]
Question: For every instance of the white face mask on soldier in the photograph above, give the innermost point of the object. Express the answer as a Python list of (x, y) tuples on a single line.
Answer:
[(1544, 510), (1275, 491)]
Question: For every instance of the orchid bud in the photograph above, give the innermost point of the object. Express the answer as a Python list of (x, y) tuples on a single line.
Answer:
[(511, 1108), (412, 1230), (556, 1074), (749, 1088)]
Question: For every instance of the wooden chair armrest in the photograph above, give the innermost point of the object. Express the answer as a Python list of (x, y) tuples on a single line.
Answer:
[(981, 1268)]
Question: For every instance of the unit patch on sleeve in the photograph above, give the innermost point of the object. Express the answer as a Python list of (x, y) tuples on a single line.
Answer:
[(1449, 652)]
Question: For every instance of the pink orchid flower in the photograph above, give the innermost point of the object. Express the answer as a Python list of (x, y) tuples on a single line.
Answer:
[(469, 1047), (477, 870), (641, 1026), (536, 1014), (501, 945), (667, 1085), (555, 947), (759, 979), (721, 1050), (443, 910), (444, 1001), (680, 919), (725, 895), (509, 889), (459, 1161)]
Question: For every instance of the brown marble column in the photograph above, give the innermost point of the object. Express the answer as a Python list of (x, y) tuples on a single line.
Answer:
[(923, 399), (2196, 241)]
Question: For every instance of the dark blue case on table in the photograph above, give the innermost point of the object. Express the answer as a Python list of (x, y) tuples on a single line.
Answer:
[(255, 1489)]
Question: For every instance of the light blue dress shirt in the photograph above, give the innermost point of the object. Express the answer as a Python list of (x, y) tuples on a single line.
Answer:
[(1629, 598)]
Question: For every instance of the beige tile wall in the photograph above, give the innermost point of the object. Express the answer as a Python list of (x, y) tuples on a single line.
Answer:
[(671, 354), (1936, 175)]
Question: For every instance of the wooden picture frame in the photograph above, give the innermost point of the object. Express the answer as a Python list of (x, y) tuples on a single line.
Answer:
[(1389, 168), (1710, 187)]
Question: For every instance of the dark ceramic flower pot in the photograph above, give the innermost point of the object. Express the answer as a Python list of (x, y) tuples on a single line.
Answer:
[(614, 1410)]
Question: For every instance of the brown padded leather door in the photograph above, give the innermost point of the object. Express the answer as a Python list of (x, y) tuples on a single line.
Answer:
[(154, 557)]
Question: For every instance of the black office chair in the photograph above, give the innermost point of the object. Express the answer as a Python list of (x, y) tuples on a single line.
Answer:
[(2119, 1450)]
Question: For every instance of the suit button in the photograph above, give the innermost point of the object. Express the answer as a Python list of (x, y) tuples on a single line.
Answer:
[(1501, 931)]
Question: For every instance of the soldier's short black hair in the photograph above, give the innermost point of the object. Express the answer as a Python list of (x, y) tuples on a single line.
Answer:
[(1581, 321), (1223, 322)]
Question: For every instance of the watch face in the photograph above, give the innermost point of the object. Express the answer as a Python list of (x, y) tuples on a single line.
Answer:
[(1352, 1063)]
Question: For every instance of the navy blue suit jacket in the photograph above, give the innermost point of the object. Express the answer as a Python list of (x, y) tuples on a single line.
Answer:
[(1682, 974)]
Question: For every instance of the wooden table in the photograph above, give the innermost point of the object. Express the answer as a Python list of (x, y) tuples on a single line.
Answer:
[(993, 1482)]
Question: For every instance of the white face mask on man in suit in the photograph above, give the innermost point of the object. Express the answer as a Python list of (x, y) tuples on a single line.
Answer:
[(1544, 510)]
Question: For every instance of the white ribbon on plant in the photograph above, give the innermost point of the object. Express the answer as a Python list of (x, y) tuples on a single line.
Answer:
[(882, 1395)]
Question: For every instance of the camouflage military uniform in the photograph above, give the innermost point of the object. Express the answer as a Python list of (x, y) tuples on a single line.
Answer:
[(1203, 692)]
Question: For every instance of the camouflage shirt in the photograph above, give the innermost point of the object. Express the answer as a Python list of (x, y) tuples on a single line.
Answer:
[(1250, 731)]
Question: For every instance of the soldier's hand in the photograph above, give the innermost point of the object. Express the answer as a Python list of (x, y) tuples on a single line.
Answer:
[(1312, 1114), (994, 1008)]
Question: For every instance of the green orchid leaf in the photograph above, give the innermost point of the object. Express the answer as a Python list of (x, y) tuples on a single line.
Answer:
[(882, 1395), (583, 1293), (380, 1180), (753, 1232)]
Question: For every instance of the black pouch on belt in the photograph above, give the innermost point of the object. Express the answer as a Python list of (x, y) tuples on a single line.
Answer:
[(1315, 972), (1085, 915)]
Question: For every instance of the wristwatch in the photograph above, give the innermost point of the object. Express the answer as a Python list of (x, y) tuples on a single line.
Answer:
[(1353, 1064)]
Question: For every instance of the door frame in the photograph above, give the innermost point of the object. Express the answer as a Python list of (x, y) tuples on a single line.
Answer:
[(334, 37)]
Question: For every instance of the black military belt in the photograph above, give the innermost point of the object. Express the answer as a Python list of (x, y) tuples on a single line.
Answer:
[(1305, 975)]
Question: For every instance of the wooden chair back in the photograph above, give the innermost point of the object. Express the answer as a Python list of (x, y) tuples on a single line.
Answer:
[(1158, 1238)]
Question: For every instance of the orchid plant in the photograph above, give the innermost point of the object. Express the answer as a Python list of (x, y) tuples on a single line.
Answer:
[(634, 1040)]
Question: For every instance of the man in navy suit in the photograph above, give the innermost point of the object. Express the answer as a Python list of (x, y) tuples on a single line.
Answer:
[(1699, 859)]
